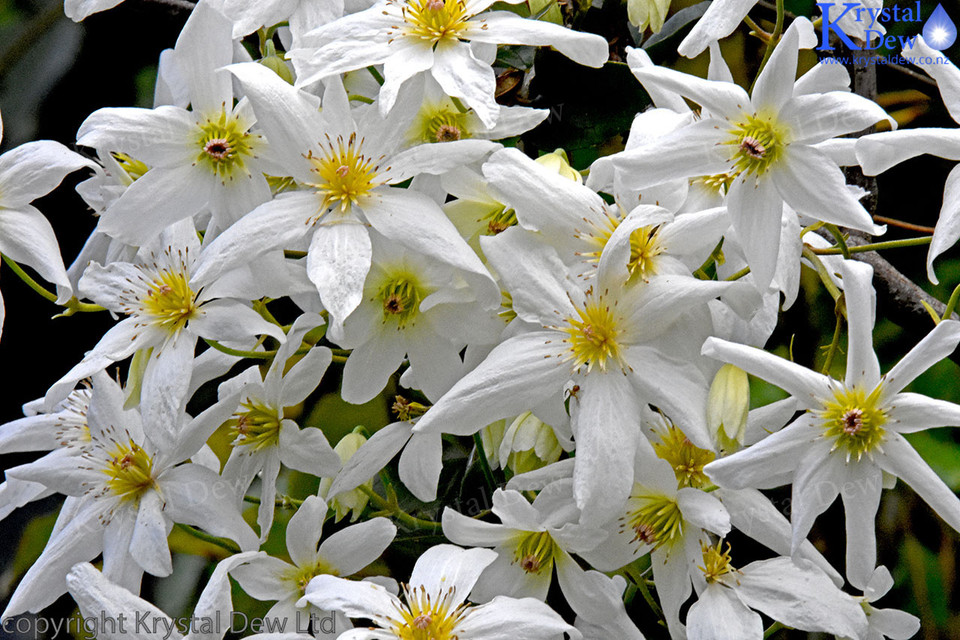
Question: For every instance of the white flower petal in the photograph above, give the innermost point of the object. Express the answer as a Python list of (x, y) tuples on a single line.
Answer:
[(862, 365), (353, 548), (719, 615), (821, 116), (935, 346), (504, 27), (861, 499), (463, 76), (26, 237), (901, 460), (947, 231), (446, 567), (371, 457)]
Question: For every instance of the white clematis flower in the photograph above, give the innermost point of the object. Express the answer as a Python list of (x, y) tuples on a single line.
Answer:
[(851, 432), (880, 151), (168, 308), (263, 438), (766, 144), (28, 172), (342, 554), (203, 159), (450, 38), (346, 169), (128, 493), (434, 604)]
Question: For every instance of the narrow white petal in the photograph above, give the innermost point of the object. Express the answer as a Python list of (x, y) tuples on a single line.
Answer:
[(806, 385), (767, 464), (935, 346), (756, 209), (26, 237), (503, 27), (862, 364), (338, 262), (372, 456), (947, 231), (518, 374), (901, 460), (861, 499), (723, 99), (818, 479), (149, 542), (821, 116), (720, 20)]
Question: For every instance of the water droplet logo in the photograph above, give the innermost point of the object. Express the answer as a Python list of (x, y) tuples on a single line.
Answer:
[(940, 31)]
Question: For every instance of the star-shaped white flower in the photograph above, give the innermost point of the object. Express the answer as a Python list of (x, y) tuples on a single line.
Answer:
[(852, 430)]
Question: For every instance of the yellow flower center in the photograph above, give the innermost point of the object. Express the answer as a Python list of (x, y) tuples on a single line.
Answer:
[(535, 552), (439, 123), (345, 174), (716, 562), (301, 576), (224, 144), (645, 246), (170, 302), (129, 470), (256, 426), (592, 335), (758, 142), (427, 616), (435, 20), (686, 458), (654, 519), (854, 420), (400, 298)]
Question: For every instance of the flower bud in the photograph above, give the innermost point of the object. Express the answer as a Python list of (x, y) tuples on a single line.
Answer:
[(528, 444), (727, 406), (559, 162), (275, 62), (355, 500)]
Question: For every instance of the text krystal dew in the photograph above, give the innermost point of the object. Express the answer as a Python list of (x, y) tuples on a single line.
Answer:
[(161, 626)]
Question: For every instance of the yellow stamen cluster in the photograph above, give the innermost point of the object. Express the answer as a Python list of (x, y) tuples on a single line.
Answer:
[(686, 458), (654, 519), (716, 562), (758, 142), (400, 298), (854, 420), (256, 426), (301, 576), (440, 123), (427, 616), (344, 174), (435, 20), (645, 245), (170, 302), (535, 552), (224, 145), (131, 166), (129, 470), (499, 220), (593, 334)]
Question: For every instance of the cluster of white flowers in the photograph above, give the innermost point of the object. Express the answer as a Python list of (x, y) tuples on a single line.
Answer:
[(592, 335)]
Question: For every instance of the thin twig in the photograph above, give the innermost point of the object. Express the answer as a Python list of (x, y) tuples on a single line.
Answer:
[(903, 225)]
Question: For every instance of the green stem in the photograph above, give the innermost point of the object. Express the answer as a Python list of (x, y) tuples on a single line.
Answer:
[(739, 274), (952, 303), (484, 463), (223, 543), (33, 284), (776, 626), (841, 241), (72, 306), (757, 29), (876, 246), (376, 75), (355, 97), (259, 355), (834, 345), (282, 502), (809, 254), (394, 509), (774, 41)]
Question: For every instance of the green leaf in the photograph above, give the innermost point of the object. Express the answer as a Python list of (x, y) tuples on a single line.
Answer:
[(677, 21)]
